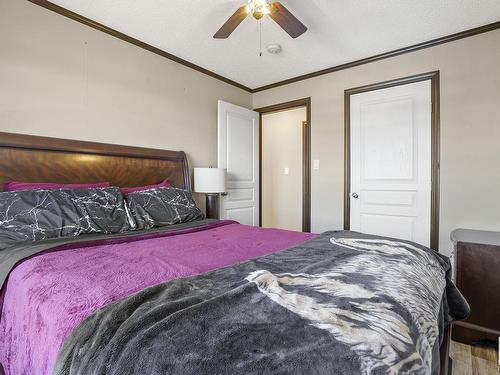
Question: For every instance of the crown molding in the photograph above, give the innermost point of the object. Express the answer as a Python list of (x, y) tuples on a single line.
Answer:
[(430, 43), (386, 55), (98, 26)]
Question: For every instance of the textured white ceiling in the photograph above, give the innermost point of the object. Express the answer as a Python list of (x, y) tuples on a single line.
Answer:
[(340, 31)]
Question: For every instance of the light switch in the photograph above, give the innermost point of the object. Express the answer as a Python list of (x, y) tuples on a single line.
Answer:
[(287, 170), (316, 164)]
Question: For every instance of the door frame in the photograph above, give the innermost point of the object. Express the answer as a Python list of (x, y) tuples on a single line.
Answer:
[(306, 155), (434, 78)]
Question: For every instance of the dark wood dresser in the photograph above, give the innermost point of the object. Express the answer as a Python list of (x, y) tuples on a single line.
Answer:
[(478, 278)]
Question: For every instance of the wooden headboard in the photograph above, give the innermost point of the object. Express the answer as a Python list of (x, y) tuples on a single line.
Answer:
[(43, 159)]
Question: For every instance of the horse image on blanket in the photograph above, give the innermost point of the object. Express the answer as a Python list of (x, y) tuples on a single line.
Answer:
[(364, 316)]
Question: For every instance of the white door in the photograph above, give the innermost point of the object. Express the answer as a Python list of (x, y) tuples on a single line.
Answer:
[(238, 152), (391, 162)]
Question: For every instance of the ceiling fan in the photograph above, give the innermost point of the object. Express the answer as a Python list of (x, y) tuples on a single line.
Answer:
[(258, 9)]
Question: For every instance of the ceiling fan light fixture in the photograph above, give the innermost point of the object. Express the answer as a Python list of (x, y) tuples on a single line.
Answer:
[(258, 8)]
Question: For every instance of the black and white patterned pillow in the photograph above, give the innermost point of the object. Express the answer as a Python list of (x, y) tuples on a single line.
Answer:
[(162, 206), (34, 215)]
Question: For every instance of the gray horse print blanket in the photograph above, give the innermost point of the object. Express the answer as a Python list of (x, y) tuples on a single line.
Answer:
[(342, 303)]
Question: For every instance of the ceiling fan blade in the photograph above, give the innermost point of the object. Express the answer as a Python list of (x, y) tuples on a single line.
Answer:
[(286, 20), (232, 23)]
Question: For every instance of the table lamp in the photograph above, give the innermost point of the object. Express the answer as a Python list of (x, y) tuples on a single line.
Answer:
[(212, 182)]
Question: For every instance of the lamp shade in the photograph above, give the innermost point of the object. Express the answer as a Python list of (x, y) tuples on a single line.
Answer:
[(209, 180)]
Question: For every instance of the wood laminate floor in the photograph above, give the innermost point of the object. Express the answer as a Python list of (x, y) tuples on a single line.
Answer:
[(474, 360)]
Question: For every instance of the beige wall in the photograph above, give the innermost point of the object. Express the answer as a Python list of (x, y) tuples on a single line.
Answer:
[(282, 148), (62, 79), (470, 130)]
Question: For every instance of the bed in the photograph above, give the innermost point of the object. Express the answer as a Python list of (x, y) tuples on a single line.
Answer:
[(201, 297)]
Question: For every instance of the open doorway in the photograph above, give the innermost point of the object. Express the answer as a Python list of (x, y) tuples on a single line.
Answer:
[(285, 198)]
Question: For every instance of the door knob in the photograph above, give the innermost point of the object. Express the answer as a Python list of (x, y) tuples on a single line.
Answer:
[(355, 195)]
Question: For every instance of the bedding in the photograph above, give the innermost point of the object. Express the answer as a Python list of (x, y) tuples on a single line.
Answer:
[(60, 282), (162, 206), (33, 215), (18, 185), (341, 303)]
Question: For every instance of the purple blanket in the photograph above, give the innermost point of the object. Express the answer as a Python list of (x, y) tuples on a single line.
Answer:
[(48, 295)]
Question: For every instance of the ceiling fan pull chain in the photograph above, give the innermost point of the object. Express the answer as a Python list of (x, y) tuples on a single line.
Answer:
[(260, 38)]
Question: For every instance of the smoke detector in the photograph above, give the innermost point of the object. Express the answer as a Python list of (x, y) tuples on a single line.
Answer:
[(274, 49)]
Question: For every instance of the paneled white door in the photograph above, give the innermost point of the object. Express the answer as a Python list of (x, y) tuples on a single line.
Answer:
[(238, 152), (391, 162)]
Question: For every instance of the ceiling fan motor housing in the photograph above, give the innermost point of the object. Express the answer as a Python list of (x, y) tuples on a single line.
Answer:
[(257, 14)]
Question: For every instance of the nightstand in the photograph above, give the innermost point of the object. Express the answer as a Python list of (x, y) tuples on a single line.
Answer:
[(477, 255)]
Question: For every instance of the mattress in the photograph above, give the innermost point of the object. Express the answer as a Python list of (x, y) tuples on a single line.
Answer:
[(50, 292)]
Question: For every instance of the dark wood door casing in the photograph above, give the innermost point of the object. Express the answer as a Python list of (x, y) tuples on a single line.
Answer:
[(306, 156), (435, 142)]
